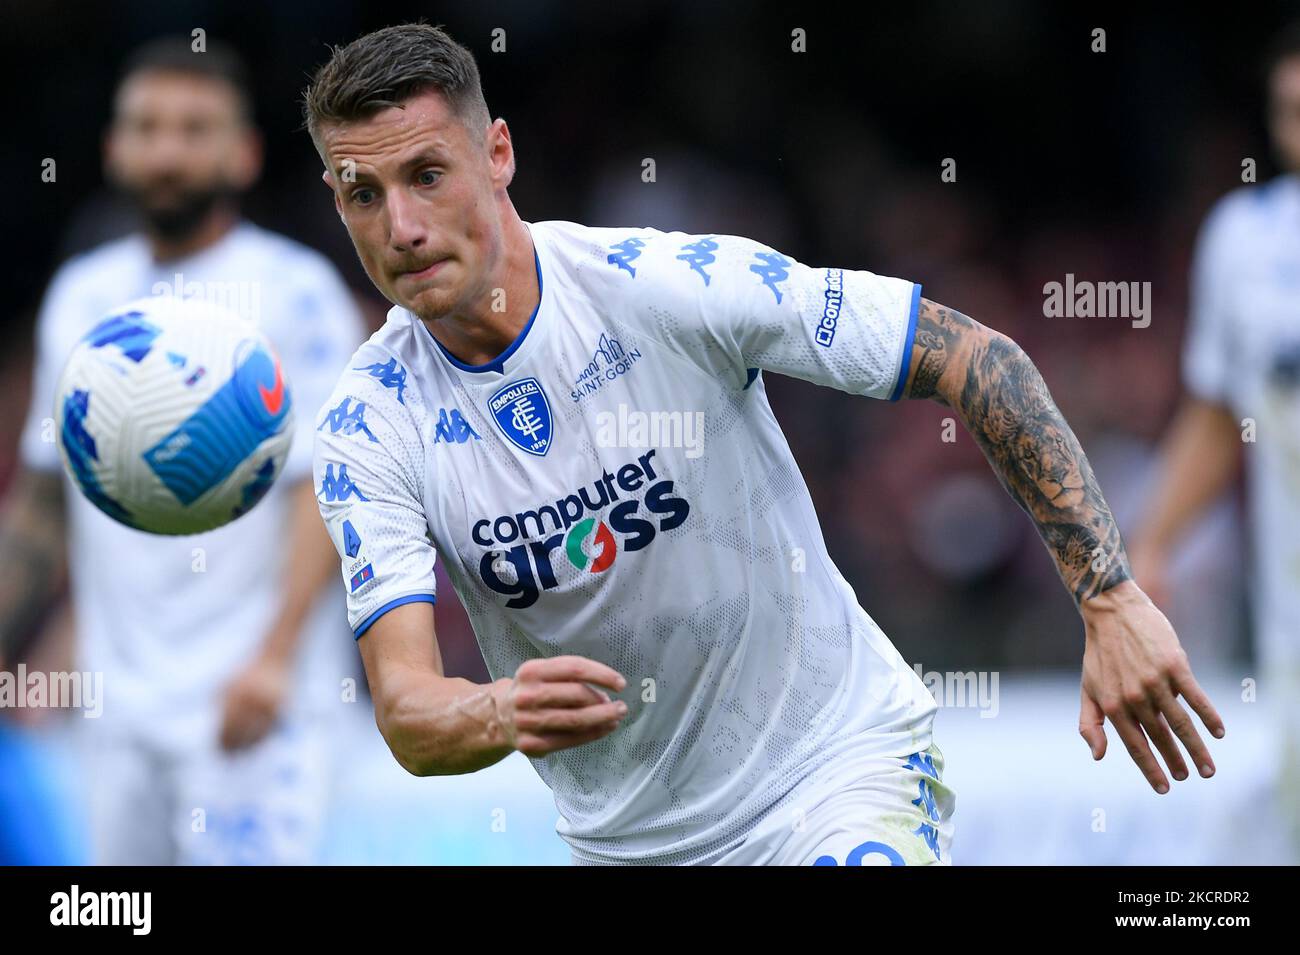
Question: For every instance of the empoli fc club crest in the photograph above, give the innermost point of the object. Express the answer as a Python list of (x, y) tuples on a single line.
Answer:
[(523, 414)]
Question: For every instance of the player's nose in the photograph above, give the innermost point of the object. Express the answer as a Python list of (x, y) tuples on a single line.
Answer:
[(406, 229), (165, 156)]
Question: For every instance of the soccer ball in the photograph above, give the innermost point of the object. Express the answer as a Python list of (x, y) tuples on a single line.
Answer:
[(173, 415)]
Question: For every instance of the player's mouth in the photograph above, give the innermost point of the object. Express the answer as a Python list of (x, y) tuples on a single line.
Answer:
[(426, 272)]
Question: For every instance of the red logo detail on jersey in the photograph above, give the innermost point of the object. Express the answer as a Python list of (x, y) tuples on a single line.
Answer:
[(606, 549)]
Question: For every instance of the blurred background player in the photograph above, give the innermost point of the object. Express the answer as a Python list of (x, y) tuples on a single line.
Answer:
[(1241, 370), (211, 745)]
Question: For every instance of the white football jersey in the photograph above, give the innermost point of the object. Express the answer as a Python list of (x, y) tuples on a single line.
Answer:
[(169, 620), (1243, 351), (614, 485)]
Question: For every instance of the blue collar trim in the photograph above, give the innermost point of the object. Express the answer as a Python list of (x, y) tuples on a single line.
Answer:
[(498, 364)]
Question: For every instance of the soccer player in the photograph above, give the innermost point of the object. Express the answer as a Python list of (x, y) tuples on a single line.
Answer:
[(1241, 369), (212, 742), (669, 641)]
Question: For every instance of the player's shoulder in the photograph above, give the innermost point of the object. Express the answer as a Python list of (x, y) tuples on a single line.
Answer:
[(578, 238), (585, 254), (85, 286), (379, 372), (597, 244), (85, 271), (301, 300), (644, 262), (1252, 209)]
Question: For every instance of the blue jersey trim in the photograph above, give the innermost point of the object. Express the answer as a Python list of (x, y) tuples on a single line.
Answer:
[(408, 599), (907, 343), (498, 364)]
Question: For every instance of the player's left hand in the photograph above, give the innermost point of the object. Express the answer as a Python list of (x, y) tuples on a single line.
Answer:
[(252, 702), (1134, 669)]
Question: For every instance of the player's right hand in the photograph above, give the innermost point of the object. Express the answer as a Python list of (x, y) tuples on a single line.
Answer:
[(1134, 671), (549, 705)]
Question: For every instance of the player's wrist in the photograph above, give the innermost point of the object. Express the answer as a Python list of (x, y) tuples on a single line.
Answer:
[(1116, 599), (276, 655), (501, 729)]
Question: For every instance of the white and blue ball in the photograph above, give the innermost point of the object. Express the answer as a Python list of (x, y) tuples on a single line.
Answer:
[(173, 415)]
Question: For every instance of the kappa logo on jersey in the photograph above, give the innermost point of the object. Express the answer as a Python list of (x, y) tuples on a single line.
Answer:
[(625, 253), (924, 763), (453, 429), (773, 268), (338, 487), (389, 374), (698, 255), (524, 415), (348, 420), (609, 361), (831, 311), (518, 560), (128, 331)]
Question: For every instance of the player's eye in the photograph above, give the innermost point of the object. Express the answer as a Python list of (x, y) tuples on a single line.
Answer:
[(363, 197), (429, 177)]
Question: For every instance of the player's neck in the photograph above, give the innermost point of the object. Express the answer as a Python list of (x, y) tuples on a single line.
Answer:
[(208, 233), (478, 337)]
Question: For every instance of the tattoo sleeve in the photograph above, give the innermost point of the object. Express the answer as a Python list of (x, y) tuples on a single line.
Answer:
[(1004, 403), (32, 548)]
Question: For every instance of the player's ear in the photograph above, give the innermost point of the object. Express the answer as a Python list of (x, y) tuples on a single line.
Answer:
[(501, 153)]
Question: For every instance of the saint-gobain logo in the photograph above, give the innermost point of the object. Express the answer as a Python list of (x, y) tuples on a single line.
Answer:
[(523, 414)]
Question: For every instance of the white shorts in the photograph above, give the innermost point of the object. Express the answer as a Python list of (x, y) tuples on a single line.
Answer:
[(893, 811), (264, 805)]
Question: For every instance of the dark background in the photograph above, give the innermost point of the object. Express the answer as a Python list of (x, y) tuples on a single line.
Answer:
[(1068, 161)]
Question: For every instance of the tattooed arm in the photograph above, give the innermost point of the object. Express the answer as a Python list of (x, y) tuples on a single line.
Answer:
[(1134, 667), (991, 383), (32, 550)]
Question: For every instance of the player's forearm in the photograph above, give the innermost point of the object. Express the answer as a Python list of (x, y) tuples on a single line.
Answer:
[(1005, 405), (311, 564), (439, 726), (33, 552), (1199, 459)]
